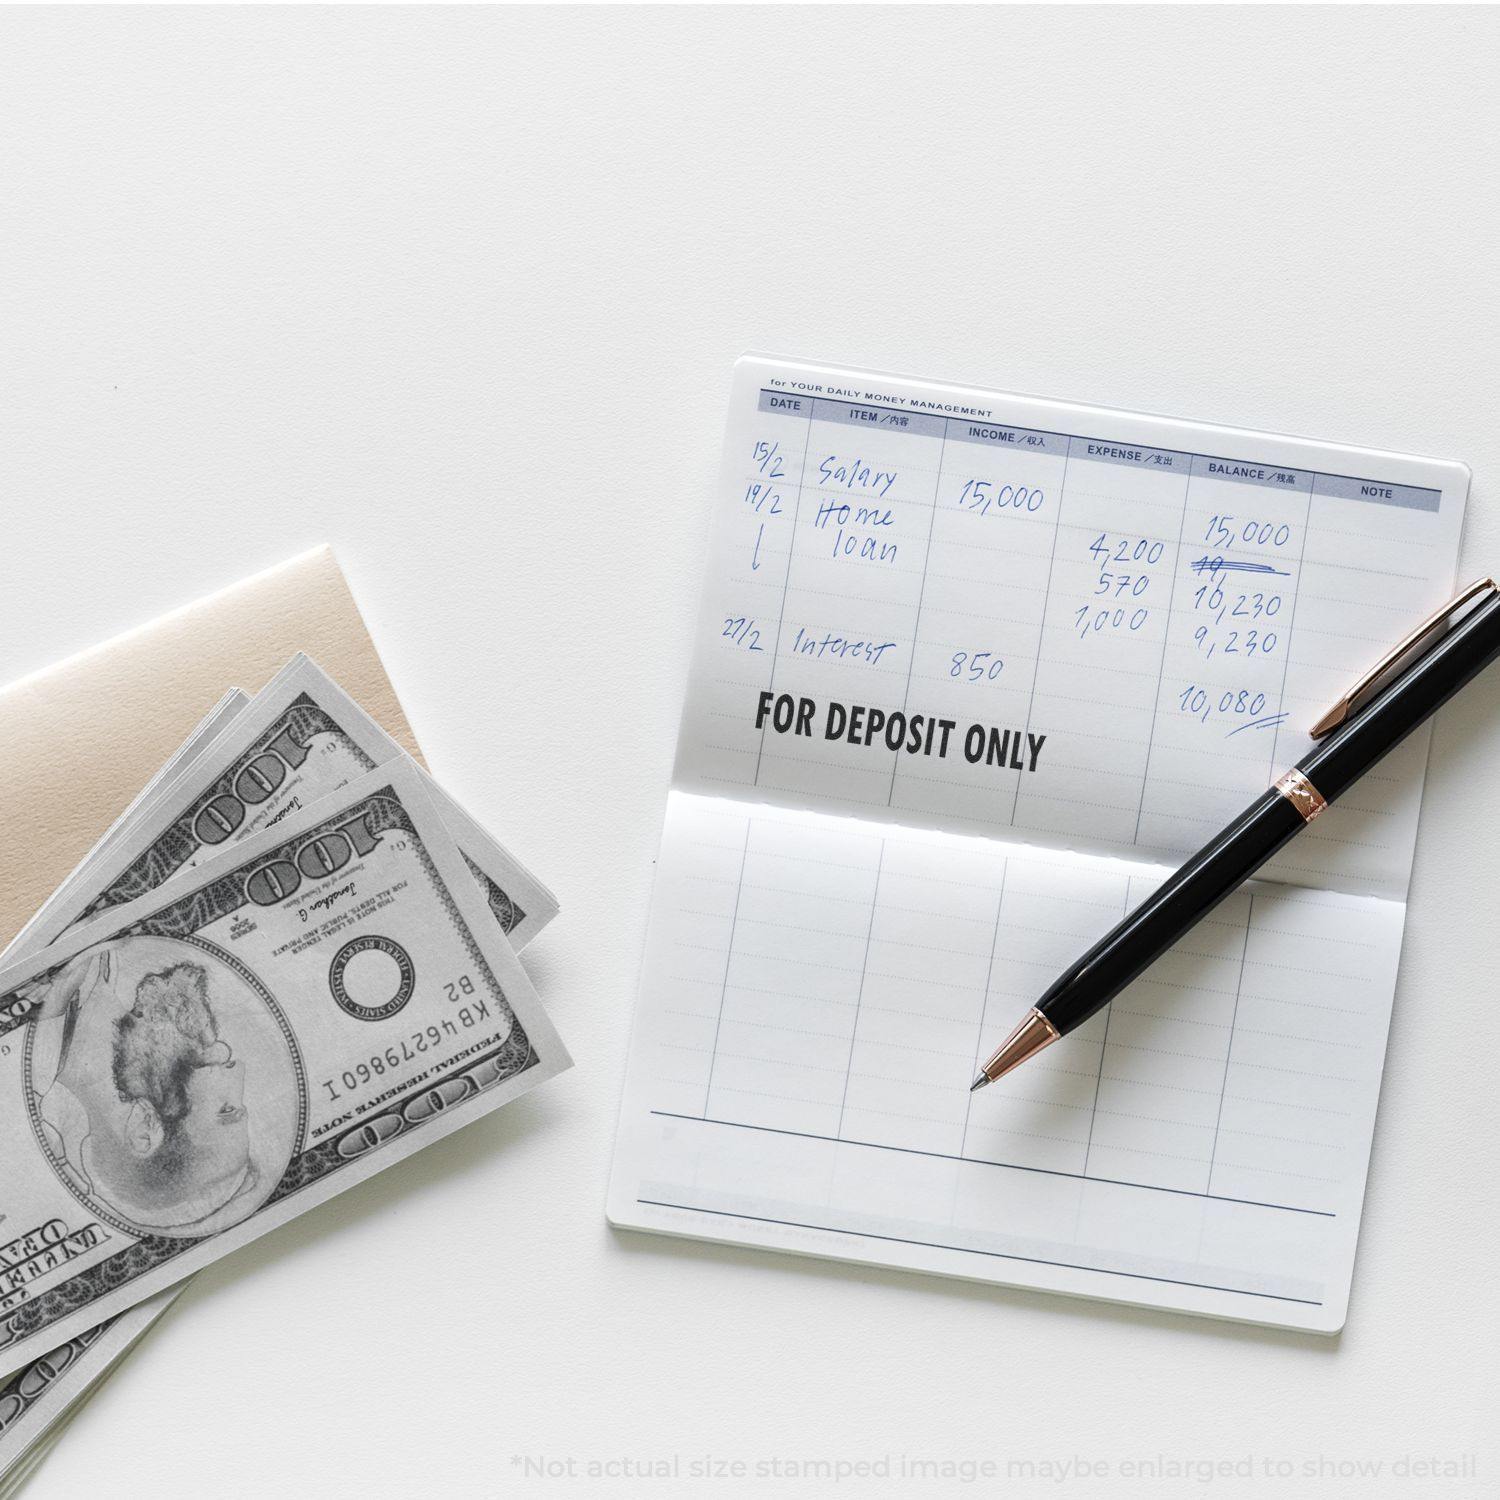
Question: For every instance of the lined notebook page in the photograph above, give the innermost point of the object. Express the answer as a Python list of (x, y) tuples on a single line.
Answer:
[(973, 673), (817, 992), (1165, 607)]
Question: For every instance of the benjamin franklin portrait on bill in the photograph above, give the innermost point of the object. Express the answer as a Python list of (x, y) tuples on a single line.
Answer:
[(143, 1078)]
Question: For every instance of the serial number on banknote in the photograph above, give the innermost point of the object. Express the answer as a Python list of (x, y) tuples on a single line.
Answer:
[(362, 1075)]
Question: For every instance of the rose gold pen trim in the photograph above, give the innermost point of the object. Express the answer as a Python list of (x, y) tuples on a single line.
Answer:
[(1302, 794), (1034, 1033), (1345, 706)]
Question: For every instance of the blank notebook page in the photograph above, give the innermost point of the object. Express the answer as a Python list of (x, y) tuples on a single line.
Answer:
[(973, 673)]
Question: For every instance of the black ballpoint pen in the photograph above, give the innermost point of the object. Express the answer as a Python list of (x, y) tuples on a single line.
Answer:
[(1407, 689)]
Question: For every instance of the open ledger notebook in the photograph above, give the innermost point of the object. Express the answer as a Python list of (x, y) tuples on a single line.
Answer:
[(973, 673)]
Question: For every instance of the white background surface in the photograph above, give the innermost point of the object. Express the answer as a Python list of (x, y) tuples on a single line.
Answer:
[(459, 292)]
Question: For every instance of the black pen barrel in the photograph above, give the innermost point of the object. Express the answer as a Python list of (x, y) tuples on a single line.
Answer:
[(1217, 870), (1458, 657), (1234, 854)]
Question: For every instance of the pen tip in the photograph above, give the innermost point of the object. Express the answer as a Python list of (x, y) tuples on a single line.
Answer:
[(979, 1083)]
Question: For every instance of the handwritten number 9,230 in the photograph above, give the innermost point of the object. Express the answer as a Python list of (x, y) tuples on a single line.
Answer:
[(1236, 642)]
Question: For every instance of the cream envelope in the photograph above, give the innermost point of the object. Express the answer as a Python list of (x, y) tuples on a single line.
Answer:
[(79, 739)]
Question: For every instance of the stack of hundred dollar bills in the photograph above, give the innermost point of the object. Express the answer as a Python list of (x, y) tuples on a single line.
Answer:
[(290, 963)]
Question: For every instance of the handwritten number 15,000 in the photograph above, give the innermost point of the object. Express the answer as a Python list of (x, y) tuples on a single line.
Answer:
[(984, 496)]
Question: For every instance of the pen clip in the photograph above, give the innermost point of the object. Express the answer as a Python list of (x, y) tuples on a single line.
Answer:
[(1345, 706)]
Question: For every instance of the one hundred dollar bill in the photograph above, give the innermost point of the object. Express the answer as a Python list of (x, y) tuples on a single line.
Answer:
[(301, 738), (183, 1072), (37, 1400)]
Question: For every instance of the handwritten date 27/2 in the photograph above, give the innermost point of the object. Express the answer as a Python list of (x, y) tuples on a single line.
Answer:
[(742, 632)]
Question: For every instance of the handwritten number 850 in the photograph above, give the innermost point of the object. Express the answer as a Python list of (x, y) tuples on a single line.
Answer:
[(981, 666)]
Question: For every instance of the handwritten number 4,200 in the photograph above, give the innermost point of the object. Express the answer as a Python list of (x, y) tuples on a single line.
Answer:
[(1126, 550)]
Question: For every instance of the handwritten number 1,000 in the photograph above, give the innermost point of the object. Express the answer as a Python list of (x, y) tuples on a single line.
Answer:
[(1091, 622)]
